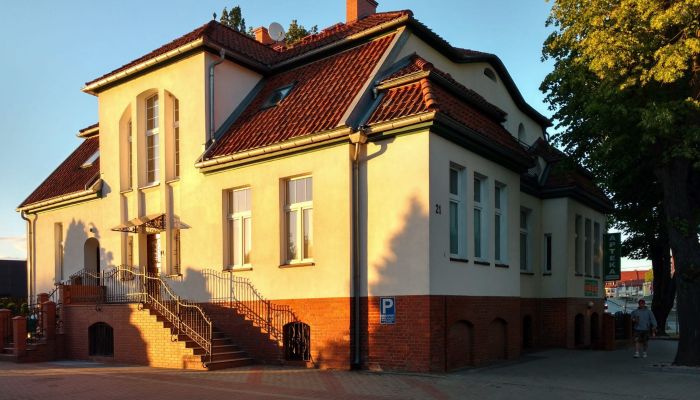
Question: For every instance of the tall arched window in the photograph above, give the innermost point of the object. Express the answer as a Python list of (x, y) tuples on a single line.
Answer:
[(521, 133), (152, 147), (101, 339)]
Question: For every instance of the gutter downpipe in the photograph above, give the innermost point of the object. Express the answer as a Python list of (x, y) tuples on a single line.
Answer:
[(30, 257), (358, 138), (211, 93)]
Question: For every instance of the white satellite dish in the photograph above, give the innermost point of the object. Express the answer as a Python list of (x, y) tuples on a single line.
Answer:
[(276, 32)]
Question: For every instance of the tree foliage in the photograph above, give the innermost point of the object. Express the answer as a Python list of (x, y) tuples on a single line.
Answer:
[(233, 19), (625, 91), (296, 32)]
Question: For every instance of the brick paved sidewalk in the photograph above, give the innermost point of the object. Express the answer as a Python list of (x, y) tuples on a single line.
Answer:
[(553, 374)]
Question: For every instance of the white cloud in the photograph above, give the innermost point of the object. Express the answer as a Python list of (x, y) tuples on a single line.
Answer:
[(13, 247)]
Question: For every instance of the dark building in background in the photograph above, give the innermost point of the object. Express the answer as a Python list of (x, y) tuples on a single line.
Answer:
[(13, 278)]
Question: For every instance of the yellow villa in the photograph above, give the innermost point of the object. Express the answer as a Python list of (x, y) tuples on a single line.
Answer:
[(370, 196)]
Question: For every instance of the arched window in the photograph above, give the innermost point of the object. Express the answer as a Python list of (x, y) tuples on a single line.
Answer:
[(297, 341), (101, 339), (460, 345), (152, 141), (521, 133), (490, 74)]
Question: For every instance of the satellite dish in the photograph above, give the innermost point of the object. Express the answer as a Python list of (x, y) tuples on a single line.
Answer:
[(276, 32)]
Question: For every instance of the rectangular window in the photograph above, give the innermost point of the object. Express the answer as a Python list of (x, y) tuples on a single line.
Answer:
[(457, 243), (298, 217), (239, 227), (175, 268), (597, 250), (129, 155), (524, 240), (479, 242), (499, 226), (176, 133), (577, 246), (58, 249), (152, 156), (547, 252), (587, 247)]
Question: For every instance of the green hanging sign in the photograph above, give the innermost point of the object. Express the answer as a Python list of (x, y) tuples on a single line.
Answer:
[(611, 256)]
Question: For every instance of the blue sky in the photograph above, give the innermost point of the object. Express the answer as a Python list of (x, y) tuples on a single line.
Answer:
[(49, 49)]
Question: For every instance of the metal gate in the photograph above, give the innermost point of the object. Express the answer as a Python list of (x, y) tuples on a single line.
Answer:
[(297, 341)]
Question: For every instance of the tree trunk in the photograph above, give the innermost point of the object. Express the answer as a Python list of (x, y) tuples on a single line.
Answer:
[(664, 282), (682, 216)]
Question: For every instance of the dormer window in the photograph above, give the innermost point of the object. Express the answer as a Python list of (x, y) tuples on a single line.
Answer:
[(490, 74), (91, 160), (277, 96)]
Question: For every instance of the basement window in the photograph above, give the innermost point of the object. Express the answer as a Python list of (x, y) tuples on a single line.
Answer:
[(91, 160), (277, 96)]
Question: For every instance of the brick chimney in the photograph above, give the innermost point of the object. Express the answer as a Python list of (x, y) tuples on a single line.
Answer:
[(358, 9), (262, 35)]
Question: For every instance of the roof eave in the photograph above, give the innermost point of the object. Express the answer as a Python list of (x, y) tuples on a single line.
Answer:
[(93, 192)]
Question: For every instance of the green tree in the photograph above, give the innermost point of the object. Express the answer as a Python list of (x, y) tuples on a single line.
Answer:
[(296, 32), (233, 19), (625, 90)]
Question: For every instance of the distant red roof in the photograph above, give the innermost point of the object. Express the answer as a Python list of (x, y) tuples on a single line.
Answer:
[(69, 177), (322, 91)]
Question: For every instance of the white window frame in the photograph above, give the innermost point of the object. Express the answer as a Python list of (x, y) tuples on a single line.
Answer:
[(301, 256), (243, 217), (481, 249), (130, 154), (597, 250), (459, 199), (587, 247), (176, 136), (152, 152), (547, 254), (525, 232), (500, 223), (578, 265)]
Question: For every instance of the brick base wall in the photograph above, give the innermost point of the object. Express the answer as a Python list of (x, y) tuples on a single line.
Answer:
[(139, 338), (431, 333)]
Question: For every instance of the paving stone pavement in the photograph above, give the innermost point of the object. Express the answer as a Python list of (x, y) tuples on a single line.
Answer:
[(552, 374)]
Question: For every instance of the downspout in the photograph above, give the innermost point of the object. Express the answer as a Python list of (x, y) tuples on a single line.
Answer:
[(358, 138), (30, 257), (213, 65)]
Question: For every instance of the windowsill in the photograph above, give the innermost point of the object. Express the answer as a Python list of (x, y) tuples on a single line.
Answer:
[(502, 265), (596, 277), (527, 273), (546, 274), (238, 268), (460, 260), (150, 185), (125, 191), (479, 262), (173, 180), (298, 264), (174, 276), (578, 274)]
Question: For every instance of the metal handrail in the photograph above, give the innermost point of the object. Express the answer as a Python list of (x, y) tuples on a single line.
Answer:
[(124, 284), (238, 292)]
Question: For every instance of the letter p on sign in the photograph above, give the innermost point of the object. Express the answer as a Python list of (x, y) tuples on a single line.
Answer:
[(387, 308)]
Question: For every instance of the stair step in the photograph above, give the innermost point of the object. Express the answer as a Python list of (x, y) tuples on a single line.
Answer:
[(230, 363), (231, 348), (232, 355), (8, 357)]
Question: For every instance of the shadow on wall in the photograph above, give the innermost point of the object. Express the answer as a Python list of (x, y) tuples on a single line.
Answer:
[(78, 250)]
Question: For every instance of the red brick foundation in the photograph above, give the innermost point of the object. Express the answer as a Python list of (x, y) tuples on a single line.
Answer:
[(431, 333)]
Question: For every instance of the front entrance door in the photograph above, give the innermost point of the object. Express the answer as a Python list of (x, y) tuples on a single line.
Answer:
[(153, 265)]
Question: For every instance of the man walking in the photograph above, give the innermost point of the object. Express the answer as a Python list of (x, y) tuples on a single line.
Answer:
[(644, 322)]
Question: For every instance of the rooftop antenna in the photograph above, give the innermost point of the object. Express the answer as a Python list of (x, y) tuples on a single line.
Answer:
[(276, 32)]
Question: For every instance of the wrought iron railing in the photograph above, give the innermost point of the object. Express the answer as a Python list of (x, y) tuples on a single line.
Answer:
[(132, 285), (8, 332), (239, 293)]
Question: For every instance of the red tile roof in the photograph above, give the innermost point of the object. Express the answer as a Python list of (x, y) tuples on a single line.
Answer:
[(322, 92), (233, 41), (447, 97), (563, 173), (69, 177)]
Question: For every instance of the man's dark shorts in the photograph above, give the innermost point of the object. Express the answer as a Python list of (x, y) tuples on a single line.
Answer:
[(641, 336)]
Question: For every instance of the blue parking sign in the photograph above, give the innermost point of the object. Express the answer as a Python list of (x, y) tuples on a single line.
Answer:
[(387, 310)]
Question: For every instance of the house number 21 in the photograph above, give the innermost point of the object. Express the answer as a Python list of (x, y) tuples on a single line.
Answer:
[(438, 209)]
